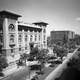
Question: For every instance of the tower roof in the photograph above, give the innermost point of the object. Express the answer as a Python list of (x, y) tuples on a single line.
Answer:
[(40, 23), (7, 13)]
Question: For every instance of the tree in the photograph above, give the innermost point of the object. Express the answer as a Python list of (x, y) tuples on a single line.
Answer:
[(31, 45), (39, 55), (23, 58), (3, 63), (34, 52), (60, 51)]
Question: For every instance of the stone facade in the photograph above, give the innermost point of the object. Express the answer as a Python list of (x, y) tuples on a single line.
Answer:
[(15, 36)]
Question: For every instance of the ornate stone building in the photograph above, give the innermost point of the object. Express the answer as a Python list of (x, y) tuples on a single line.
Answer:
[(15, 36)]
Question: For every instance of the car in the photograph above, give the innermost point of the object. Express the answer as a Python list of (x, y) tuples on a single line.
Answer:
[(50, 61), (35, 67), (52, 65), (58, 61)]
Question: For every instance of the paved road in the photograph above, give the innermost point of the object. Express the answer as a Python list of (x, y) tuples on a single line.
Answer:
[(20, 75), (47, 71)]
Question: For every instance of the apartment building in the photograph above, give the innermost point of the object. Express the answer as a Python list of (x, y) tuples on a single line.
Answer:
[(61, 35), (16, 36)]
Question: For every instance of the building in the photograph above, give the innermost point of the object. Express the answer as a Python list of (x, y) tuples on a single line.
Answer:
[(77, 39), (15, 36), (31, 33), (61, 35)]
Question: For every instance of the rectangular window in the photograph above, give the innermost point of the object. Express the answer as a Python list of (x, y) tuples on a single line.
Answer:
[(39, 37), (26, 48), (20, 38), (44, 37), (31, 37), (12, 50), (35, 37), (19, 47), (44, 30), (26, 38), (12, 38)]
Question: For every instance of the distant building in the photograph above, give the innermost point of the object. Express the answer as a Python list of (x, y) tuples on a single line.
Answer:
[(77, 39), (61, 35), (15, 36), (48, 41)]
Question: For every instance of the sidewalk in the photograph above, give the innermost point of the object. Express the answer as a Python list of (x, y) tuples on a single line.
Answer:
[(57, 72), (29, 76), (11, 71)]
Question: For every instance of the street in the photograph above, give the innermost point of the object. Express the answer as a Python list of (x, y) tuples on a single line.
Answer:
[(20, 75), (25, 74)]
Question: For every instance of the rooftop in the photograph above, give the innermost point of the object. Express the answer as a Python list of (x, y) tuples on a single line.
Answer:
[(28, 24), (40, 23), (4, 12)]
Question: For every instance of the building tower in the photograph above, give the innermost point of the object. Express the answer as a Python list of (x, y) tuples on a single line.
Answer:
[(43, 25), (9, 32)]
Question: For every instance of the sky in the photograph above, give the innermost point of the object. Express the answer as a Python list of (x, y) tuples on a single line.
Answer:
[(59, 14)]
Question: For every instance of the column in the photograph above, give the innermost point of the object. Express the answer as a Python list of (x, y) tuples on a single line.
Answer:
[(16, 38), (5, 34), (23, 41)]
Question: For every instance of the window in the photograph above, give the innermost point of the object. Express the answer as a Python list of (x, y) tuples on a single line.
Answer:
[(12, 50), (26, 48), (35, 37), (19, 47), (44, 30), (20, 38), (25, 37), (1, 27), (1, 37), (31, 37), (39, 37), (44, 43), (44, 37), (11, 38)]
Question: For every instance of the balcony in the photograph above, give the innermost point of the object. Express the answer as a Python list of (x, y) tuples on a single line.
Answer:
[(12, 44)]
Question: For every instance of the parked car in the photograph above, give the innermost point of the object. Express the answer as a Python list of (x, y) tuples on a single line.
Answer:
[(35, 67), (58, 61), (52, 65)]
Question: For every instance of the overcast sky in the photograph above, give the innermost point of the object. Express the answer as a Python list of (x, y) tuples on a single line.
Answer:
[(59, 14)]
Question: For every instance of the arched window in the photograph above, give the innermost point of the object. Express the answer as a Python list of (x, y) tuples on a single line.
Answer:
[(26, 37), (20, 38), (39, 38), (31, 37), (44, 30), (19, 47), (35, 37), (11, 38)]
